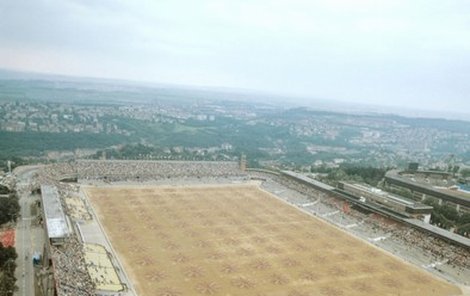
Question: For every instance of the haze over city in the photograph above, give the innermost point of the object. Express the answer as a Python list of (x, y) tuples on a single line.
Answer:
[(413, 54)]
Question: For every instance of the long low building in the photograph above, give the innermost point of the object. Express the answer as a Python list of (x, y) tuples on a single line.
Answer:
[(57, 226), (460, 200), (309, 181), (396, 203)]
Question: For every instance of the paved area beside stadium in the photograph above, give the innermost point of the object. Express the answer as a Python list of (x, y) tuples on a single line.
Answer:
[(241, 240), (29, 237)]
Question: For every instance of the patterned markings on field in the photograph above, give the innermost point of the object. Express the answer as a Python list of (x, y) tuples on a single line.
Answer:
[(240, 240)]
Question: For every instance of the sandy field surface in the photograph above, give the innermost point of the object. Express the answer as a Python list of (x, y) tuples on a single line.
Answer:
[(240, 240)]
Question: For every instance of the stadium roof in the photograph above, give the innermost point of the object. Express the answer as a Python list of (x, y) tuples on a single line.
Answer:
[(402, 200), (463, 241), (56, 223), (308, 180)]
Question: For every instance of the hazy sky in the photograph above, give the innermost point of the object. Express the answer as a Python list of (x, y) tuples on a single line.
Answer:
[(413, 53)]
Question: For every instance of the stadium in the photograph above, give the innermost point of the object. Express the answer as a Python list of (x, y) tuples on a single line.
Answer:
[(216, 228)]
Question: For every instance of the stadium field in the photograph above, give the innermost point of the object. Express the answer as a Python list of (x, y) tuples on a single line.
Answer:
[(240, 240)]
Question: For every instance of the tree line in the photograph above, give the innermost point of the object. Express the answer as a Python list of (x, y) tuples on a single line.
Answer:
[(9, 212), (9, 208), (448, 217), (362, 174), (8, 256)]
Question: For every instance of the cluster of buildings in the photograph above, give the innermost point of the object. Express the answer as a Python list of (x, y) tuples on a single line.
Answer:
[(378, 141), (323, 136), (59, 117)]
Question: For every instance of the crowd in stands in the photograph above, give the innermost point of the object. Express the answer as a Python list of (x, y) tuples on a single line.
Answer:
[(52, 174), (70, 271), (122, 170), (75, 207), (438, 248), (72, 204), (135, 170)]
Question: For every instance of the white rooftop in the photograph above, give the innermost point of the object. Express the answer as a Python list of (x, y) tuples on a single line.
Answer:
[(308, 180), (54, 215)]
